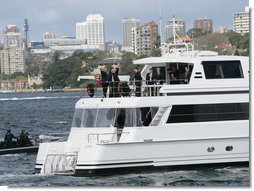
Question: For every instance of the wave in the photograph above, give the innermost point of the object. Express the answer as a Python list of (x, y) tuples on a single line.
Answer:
[(61, 122), (37, 98)]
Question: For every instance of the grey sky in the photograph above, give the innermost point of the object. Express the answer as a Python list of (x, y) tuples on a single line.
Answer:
[(60, 16)]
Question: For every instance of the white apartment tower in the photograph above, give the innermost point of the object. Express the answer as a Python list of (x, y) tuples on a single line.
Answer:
[(92, 30), (12, 57), (241, 21), (180, 28), (128, 25)]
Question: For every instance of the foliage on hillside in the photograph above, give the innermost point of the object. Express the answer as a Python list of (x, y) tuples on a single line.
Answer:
[(229, 43), (62, 73)]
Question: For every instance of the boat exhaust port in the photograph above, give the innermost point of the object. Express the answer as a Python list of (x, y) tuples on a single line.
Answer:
[(63, 164)]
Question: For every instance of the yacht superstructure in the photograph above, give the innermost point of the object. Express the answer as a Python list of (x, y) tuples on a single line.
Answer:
[(201, 117)]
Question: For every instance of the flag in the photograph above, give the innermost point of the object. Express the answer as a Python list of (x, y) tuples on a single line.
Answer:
[(98, 80)]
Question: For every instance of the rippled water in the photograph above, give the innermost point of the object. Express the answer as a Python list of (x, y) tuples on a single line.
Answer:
[(45, 113)]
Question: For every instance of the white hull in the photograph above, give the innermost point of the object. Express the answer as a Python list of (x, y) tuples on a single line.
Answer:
[(104, 154)]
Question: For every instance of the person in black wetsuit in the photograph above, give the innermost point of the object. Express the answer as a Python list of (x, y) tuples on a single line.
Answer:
[(24, 139), (8, 139)]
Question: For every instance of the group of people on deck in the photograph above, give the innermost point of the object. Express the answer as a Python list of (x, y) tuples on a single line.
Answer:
[(22, 141), (110, 81)]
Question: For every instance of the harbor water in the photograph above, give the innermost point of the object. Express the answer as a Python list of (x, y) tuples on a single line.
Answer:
[(45, 114)]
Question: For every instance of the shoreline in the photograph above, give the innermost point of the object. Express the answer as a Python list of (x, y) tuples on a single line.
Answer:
[(43, 91)]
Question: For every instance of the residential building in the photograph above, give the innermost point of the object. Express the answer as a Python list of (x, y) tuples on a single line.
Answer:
[(144, 38), (222, 30), (204, 23), (127, 25), (48, 35), (12, 57), (180, 28), (241, 21), (92, 30)]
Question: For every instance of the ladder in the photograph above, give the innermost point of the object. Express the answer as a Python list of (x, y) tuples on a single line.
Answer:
[(63, 164), (157, 118)]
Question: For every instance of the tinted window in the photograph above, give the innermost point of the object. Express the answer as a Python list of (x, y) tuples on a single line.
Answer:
[(208, 112), (222, 69)]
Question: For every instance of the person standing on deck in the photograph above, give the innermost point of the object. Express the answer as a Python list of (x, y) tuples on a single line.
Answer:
[(138, 81), (150, 81), (113, 80), (104, 79)]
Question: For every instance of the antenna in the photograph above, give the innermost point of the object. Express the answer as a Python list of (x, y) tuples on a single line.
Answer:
[(26, 29), (174, 30), (160, 21)]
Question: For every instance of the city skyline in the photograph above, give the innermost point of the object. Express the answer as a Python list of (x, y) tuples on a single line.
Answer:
[(61, 16)]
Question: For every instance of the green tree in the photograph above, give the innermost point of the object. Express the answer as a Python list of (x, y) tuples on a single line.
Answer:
[(62, 73), (195, 32)]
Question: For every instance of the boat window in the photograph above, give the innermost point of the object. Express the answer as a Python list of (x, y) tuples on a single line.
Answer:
[(76, 122), (208, 112), (178, 73), (147, 115), (105, 117), (128, 117), (117, 117), (222, 69), (89, 117)]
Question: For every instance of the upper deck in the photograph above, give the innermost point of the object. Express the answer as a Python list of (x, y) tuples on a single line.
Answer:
[(207, 71)]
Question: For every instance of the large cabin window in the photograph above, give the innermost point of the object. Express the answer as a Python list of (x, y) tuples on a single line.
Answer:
[(222, 69), (208, 112), (113, 117)]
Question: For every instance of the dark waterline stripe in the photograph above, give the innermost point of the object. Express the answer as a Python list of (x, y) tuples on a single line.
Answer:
[(209, 93)]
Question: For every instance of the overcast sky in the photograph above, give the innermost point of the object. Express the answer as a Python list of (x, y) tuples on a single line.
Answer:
[(60, 16)]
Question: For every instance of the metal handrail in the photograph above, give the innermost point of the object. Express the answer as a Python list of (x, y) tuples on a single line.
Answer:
[(55, 159), (127, 89), (97, 135)]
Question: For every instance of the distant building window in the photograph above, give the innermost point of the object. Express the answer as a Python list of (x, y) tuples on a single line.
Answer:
[(222, 69), (208, 112)]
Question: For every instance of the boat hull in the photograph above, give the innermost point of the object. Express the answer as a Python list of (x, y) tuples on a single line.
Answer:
[(32, 149), (147, 169), (118, 158)]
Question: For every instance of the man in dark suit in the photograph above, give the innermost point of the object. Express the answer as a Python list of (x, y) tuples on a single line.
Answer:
[(150, 81), (138, 81), (159, 79), (114, 82)]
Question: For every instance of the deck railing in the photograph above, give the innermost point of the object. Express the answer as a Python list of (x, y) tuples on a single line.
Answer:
[(104, 138), (132, 88)]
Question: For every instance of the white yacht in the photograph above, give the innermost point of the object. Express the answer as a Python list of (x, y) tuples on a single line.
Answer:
[(199, 118)]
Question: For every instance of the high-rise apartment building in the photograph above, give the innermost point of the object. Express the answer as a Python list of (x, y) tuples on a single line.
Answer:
[(12, 57), (180, 28), (241, 21), (92, 30), (144, 38), (49, 35), (128, 25), (204, 23)]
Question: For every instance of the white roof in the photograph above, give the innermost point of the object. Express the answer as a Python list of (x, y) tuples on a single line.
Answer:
[(189, 57)]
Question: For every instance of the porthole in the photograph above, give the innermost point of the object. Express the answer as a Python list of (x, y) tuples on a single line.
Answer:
[(229, 148), (210, 149)]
